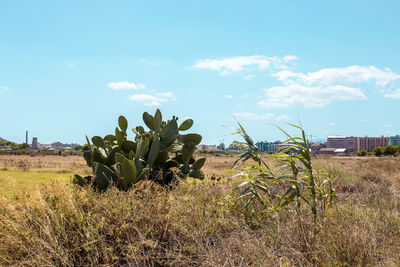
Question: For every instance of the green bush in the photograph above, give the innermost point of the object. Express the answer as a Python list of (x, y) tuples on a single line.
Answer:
[(378, 151), (362, 153), (389, 150)]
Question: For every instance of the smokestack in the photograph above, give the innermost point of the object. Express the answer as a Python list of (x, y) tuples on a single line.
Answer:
[(26, 137)]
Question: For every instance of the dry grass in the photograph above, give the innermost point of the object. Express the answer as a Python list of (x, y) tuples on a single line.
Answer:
[(26, 162), (193, 225)]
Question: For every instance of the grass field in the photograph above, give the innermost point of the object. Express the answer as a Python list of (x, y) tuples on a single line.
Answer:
[(25, 173), (14, 181), (193, 224)]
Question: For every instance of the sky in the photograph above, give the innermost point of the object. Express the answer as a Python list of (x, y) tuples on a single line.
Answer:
[(70, 68)]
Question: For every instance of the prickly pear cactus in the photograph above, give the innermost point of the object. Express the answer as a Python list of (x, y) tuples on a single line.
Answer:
[(161, 154)]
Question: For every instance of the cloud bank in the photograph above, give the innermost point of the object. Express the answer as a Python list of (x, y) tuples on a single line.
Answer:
[(125, 86), (154, 99), (150, 98), (318, 89), (255, 116), (227, 66)]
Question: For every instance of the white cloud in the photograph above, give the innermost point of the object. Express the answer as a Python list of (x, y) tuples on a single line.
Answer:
[(239, 106), (228, 96), (153, 99), (395, 94), (283, 118), (150, 63), (229, 65), (267, 116), (289, 58), (4, 88), (308, 96), (331, 124), (168, 95), (71, 64), (333, 76), (317, 89), (364, 120), (125, 86), (249, 76), (388, 125), (245, 96), (253, 116)]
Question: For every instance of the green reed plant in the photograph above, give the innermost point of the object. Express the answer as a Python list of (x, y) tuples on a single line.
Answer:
[(264, 190)]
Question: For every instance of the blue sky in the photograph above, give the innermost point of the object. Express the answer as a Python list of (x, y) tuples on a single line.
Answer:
[(70, 68)]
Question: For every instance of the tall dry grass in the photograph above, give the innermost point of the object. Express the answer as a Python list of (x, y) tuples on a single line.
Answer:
[(192, 225)]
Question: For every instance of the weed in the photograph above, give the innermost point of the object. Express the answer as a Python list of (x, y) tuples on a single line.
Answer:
[(262, 188)]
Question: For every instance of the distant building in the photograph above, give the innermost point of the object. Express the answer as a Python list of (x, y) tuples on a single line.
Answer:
[(206, 147), (271, 147), (333, 151), (327, 151), (315, 148), (369, 143), (354, 144), (336, 141), (262, 146), (394, 140), (201, 147), (341, 152), (35, 147), (57, 145), (350, 143), (35, 143), (5, 148)]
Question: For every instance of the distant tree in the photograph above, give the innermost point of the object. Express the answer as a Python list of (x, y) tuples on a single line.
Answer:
[(397, 151), (23, 146), (389, 150), (236, 145), (378, 151), (362, 153), (221, 146), (77, 148)]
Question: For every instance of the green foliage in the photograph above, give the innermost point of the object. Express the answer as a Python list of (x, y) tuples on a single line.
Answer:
[(161, 154), (362, 153), (235, 145), (221, 146), (265, 189), (389, 150), (23, 146), (378, 151)]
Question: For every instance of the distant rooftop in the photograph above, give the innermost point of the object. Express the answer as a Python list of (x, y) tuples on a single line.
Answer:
[(327, 149)]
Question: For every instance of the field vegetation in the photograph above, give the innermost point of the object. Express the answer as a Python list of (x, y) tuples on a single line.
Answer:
[(54, 223)]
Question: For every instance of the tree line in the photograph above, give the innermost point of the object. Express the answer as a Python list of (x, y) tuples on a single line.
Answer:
[(381, 151)]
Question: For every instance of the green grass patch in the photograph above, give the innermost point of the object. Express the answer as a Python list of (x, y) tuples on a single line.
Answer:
[(13, 181)]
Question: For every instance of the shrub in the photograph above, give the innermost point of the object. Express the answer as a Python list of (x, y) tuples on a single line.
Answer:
[(273, 192), (115, 160), (378, 151), (362, 153), (389, 150)]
